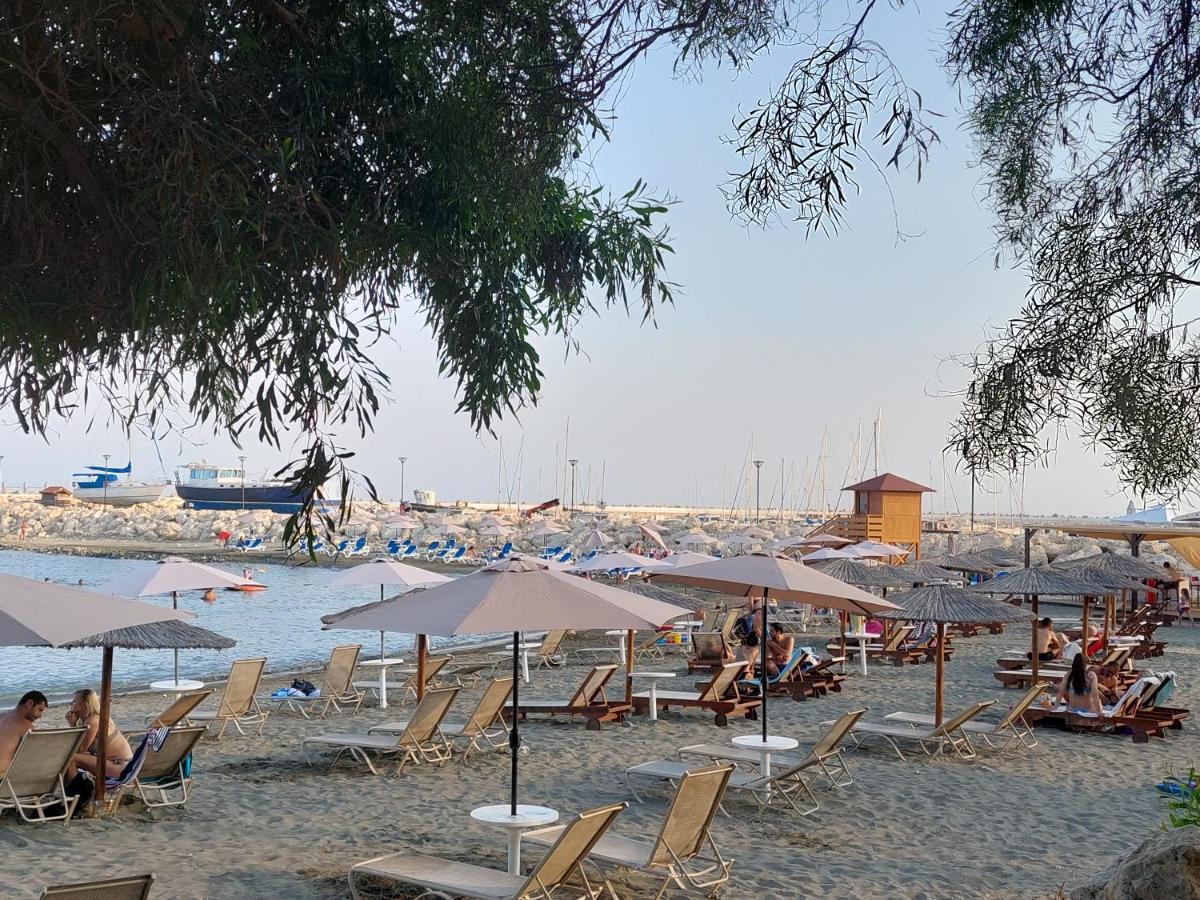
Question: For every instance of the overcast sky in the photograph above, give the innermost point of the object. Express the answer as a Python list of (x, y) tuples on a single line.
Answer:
[(775, 340)]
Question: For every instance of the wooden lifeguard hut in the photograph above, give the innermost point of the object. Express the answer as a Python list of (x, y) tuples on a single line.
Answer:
[(887, 508)]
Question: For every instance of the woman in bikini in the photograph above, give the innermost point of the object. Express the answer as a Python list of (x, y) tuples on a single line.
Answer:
[(85, 711), (1079, 688)]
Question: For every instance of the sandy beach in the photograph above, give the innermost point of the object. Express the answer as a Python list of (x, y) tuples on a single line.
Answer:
[(262, 823)]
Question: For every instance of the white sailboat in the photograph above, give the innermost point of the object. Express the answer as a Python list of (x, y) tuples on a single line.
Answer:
[(103, 485)]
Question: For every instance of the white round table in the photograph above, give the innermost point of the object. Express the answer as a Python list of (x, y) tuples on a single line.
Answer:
[(862, 637), (653, 678), (382, 665), (524, 649), (526, 817), (773, 744), (171, 686)]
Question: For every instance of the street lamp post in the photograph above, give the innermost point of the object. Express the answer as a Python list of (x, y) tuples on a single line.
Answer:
[(1, 473), (573, 462), (403, 460), (758, 464), (242, 459), (106, 456)]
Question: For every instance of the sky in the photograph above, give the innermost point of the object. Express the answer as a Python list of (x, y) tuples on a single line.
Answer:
[(778, 342)]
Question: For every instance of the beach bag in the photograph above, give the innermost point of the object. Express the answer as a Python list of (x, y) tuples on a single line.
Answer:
[(307, 688)]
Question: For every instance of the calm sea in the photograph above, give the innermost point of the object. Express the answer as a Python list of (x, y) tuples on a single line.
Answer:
[(282, 623)]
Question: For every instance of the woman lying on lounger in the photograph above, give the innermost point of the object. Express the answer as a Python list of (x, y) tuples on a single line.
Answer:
[(1079, 688)]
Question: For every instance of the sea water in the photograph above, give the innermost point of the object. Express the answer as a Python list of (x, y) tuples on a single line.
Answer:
[(282, 623)]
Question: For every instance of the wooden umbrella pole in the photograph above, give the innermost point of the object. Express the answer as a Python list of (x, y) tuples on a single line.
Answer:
[(629, 667), (941, 673), (842, 627), (422, 648), (1033, 658), (102, 735), (1083, 637)]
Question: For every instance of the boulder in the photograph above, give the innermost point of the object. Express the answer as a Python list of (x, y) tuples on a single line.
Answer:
[(1167, 864)]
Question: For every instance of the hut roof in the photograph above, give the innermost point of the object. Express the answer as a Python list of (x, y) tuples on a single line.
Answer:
[(1042, 581), (157, 636), (54, 489), (856, 573), (1114, 564), (952, 605), (889, 482)]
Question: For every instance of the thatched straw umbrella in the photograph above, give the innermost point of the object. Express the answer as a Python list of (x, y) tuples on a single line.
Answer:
[(944, 604), (970, 563), (1115, 565), (169, 635), (922, 572), (853, 572), (1039, 582)]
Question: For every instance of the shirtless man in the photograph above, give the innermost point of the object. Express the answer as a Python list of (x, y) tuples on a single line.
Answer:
[(1049, 644), (780, 646), (18, 722)]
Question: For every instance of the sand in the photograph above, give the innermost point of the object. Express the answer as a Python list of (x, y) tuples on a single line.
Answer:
[(261, 823)]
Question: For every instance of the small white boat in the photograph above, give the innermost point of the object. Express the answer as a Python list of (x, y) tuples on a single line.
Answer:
[(103, 485)]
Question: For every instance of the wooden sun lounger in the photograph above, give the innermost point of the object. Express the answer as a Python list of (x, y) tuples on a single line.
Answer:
[(711, 651), (819, 680), (1013, 730), (932, 740), (449, 878), (128, 887), (1150, 705), (238, 705), (684, 853), (588, 701), (337, 686), (420, 741), (719, 696), (485, 724), (34, 783)]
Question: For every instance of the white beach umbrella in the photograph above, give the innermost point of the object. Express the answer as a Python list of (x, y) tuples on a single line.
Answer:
[(856, 551), (753, 531), (546, 527), (514, 595), (652, 534), (595, 539), (449, 528), (384, 571), (696, 539), (819, 540), (171, 575), (827, 553), (617, 559), (741, 540), (495, 531), (880, 550), (679, 561)]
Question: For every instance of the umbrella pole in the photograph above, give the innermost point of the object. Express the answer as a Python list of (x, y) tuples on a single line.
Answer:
[(514, 735), (175, 605), (629, 668), (102, 735), (941, 674), (1083, 636), (1033, 658), (842, 628), (382, 656), (422, 649), (762, 661)]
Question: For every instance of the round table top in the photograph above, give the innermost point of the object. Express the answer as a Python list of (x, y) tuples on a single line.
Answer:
[(773, 742), (690, 623), (380, 663), (861, 635), (615, 631), (652, 674), (526, 817), (524, 648), (184, 684)]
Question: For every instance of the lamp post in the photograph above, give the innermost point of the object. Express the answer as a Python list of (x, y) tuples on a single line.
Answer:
[(1, 473), (106, 456), (403, 460), (242, 460), (758, 464), (573, 462)]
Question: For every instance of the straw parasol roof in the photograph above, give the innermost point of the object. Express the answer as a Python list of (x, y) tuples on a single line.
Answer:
[(1114, 564), (816, 540), (923, 571), (663, 594), (963, 562), (157, 636), (1001, 556), (951, 605), (1043, 581), (853, 572)]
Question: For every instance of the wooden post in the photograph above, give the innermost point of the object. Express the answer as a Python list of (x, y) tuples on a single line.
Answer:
[(629, 667), (941, 673), (422, 649), (842, 625), (1083, 638), (102, 735), (1033, 659)]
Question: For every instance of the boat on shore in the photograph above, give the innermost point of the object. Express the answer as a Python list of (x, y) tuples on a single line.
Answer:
[(103, 486), (205, 486)]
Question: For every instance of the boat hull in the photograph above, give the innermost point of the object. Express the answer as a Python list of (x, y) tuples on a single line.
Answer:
[(277, 498), (121, 494)]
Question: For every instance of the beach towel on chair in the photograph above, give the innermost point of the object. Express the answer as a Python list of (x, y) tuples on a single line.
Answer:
[(153, 740)]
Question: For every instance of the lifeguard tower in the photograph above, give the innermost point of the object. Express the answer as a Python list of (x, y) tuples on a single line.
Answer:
[(887, 508)]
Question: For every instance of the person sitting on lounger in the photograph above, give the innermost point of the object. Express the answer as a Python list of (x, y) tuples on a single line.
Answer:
[(1049, 644), (85, 711), (1107, 683), (1079, 689), (749, 653), (780, 647), (18, 722)]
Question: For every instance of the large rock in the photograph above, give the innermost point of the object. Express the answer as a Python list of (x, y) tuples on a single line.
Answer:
[(1167, 864)]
